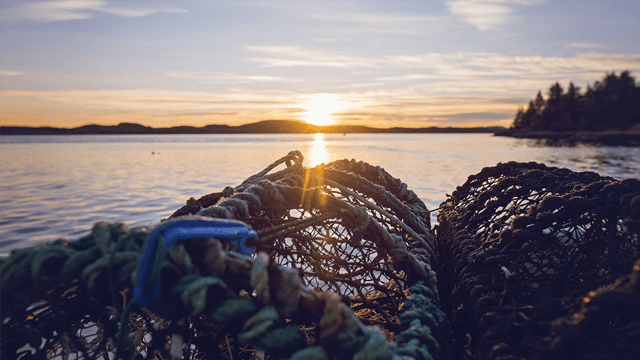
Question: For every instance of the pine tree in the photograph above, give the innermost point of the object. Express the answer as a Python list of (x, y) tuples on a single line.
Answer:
[(571, 109), (551, 117), (518, 122), (613, 103)]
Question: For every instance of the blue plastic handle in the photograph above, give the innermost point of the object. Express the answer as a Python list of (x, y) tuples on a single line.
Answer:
[(172, 231)]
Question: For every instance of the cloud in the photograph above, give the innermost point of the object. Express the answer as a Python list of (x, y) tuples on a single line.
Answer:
[(373, 19), (465, 65), (217, 78), (148, 106), (11, 73), (288, 56), (585, 46), (154, 99), (409, 77), (432, 111), (359, 85), (485, 14), (64, 10), (461, 73), (158, 107), (141, 12), (417, 89), (452, 67)]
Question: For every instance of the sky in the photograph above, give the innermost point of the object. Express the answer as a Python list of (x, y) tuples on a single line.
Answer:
[(68, 63)]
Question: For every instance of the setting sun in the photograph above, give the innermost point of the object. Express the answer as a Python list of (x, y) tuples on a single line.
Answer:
[(321, 109)]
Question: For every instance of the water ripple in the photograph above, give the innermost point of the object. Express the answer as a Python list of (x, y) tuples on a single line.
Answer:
[(59, 186)]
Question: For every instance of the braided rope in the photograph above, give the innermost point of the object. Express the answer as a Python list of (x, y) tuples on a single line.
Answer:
[(196, 291)]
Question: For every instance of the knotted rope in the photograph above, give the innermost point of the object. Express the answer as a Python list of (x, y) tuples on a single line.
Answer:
[(533, 262), (331, 228), (523, 248)]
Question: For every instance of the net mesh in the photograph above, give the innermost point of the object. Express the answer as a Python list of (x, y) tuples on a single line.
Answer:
[(524, 248), (321, 226), (533, 262), (345, 228)]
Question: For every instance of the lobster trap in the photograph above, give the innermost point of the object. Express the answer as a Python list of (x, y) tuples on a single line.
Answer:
[(342, 251), (539, 262), (339, 261)]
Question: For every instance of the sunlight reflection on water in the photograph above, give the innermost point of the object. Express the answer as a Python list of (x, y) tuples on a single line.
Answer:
[(59, 186), (318, 151)]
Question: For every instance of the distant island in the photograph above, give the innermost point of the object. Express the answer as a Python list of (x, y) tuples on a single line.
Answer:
[(608, 113), (262, 127)]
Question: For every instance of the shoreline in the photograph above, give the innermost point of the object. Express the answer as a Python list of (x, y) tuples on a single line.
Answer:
[(602, 138), (262, 127)]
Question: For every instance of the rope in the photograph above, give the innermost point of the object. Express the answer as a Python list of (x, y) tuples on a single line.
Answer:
[(533, 262), (262, 316), (522, 247), (248, 300)]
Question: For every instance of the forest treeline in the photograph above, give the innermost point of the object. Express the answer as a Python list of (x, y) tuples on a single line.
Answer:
[(612, 103)]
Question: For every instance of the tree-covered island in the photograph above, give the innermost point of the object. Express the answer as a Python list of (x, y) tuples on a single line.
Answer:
[(606, 113)]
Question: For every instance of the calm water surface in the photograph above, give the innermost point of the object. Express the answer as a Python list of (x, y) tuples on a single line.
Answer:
[(59, 186)]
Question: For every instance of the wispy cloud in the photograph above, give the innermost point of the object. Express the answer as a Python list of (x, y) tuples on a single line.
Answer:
[(11, 73), (217, 78), (409, 77), (151, 99), (156, 107), (463, 65), (585, 46), (486, 14), (493, 74), (360, 85), (296, 56), (466, 64), (433, 111), (64, 10), (372, 18)]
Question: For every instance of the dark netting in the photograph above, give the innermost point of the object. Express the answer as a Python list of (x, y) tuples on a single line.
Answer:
[(533, 262), (537, 262), (342, 269)]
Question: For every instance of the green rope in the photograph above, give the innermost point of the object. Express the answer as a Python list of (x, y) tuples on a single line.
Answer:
[(101, 267), (193, 291)]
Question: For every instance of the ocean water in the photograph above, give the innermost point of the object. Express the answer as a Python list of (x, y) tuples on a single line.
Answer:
[(58, 186)]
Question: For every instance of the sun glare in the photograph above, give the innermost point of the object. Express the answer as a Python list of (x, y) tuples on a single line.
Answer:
[(318, 150), (320, 109)]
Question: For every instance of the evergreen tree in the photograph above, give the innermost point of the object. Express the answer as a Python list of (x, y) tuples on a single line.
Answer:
[(539, 105), (613, 103), (518, 122), (571, 109), (530, 115), (551, 117)]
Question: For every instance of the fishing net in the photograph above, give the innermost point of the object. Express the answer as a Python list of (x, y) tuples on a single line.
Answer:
[(533, 262), (538, 262), (341, 269)]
